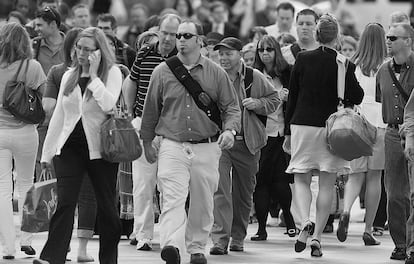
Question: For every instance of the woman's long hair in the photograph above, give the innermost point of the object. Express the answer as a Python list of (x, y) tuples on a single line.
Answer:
[(279, 63), (372, 49), (69, 45), (14, 44), (107, 59)]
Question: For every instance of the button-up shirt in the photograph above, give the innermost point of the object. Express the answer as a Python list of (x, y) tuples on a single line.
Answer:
[(387, 93), (171, 112)]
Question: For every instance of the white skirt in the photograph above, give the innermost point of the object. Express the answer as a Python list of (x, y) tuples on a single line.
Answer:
[(310, 152)]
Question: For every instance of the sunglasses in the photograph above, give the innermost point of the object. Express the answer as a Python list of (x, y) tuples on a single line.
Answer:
[(394, 38), (185, 35), (268, 49)]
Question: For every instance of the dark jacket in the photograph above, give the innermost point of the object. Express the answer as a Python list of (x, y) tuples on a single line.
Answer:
[(229, 29), (313, 94)]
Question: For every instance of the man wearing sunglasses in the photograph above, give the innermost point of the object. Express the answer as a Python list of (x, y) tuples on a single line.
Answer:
[(395, 80), (190, 146), (238, 166)]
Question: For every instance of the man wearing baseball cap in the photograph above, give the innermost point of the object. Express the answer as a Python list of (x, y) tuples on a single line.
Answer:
[(233, 199)]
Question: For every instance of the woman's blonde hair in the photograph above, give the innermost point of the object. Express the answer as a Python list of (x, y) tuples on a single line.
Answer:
[(14, 43), (107, 59), (372, 49)]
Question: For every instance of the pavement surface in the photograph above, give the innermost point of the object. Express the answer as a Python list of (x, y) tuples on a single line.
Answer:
[(279, 248)]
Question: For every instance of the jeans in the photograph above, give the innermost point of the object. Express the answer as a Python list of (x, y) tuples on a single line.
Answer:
[(397, 187), (71, 167), (19, 144), (381, 216), (234, 197)]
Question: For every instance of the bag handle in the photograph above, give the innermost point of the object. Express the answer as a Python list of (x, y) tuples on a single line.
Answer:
[(18, 70), (45, 175), (397, 83)]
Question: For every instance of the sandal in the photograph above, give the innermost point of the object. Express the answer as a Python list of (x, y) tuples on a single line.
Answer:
[(316, 248), (300, 244)]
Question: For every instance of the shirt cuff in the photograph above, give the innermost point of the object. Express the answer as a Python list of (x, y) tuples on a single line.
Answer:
[(95, 84)]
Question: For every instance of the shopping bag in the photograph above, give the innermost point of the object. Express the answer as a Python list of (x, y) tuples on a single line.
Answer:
[(40, 204)]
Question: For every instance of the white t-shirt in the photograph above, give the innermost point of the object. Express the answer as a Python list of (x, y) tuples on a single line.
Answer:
[(369, 107)]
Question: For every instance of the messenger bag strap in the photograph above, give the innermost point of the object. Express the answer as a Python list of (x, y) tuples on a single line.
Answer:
[(397, 83), (18, 70), (201, 98)]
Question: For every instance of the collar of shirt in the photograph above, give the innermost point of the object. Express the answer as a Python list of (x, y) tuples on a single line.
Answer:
[(154, 49), (43, 42), (408, 64)]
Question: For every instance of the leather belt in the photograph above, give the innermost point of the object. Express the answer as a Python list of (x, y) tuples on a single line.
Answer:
[(205, 140), (395, 126)]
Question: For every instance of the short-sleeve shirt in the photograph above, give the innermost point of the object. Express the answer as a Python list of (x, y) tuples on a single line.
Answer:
[(54, 78), (34, 78)]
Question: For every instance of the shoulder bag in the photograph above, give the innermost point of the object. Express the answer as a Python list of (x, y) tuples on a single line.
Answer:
[(349, 135), (23, 102)]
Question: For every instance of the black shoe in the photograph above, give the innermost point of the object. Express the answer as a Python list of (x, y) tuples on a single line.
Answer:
[(300, 244), (259, 237), (369, 240), (328, 229), (198, 258), (9, 257), (343, 225), (171, 255), (236, 248), (217, 250), (316, 249), (28, 250), (133, 242), (291, 232), (410, 259), (399, 254)]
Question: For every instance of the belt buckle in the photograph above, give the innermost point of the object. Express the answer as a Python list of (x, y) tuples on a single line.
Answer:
[(239, 137)]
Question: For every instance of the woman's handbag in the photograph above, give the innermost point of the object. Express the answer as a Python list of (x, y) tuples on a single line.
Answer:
[(23, 102), (40, 204), (119, 139), (349, 135)]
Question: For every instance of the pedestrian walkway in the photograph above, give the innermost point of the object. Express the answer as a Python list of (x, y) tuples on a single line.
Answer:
[(277, 249)]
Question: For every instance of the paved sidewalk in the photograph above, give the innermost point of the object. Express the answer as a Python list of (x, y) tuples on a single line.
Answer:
[(277, 249)]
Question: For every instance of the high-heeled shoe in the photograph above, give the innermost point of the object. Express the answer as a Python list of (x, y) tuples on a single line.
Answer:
[(343, 225), (316, 248), (369, 240), (300, 244)]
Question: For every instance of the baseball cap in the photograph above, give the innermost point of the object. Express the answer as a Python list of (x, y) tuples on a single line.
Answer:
[(230, 43), (213, 38)]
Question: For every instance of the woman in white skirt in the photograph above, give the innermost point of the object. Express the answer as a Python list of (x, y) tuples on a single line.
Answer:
[(368, 58), (313, 97)]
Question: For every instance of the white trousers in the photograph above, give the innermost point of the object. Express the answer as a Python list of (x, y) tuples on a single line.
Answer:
[(21, 145), (144, 177), (187, 168)]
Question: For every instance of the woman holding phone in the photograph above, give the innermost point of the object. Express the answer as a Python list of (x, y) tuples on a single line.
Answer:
[(88, 91)]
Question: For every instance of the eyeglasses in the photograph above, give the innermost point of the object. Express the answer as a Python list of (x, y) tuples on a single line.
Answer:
[(105, 28), (268, 49), (85, 49), (394, 38), (185, 35)]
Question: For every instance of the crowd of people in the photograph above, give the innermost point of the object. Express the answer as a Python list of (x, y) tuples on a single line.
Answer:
[(232, 124)]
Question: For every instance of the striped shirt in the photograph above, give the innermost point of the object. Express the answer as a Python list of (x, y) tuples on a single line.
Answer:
[(148, 57)]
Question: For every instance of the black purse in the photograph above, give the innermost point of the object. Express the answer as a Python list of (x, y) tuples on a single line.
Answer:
[(23, 102)]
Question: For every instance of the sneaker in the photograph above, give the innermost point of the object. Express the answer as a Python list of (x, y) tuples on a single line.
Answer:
[(398, 254), (144, 244), (236, 245), (198, 258)]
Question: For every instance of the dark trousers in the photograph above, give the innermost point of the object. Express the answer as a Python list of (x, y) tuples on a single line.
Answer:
[(273, 184), (381, 216), (71, 166)]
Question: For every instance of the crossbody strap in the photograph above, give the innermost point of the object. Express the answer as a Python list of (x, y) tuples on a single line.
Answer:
[(201, 98), (396, 82), (18, 71)]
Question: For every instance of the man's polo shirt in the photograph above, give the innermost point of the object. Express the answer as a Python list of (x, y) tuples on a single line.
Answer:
[(48, 56)]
